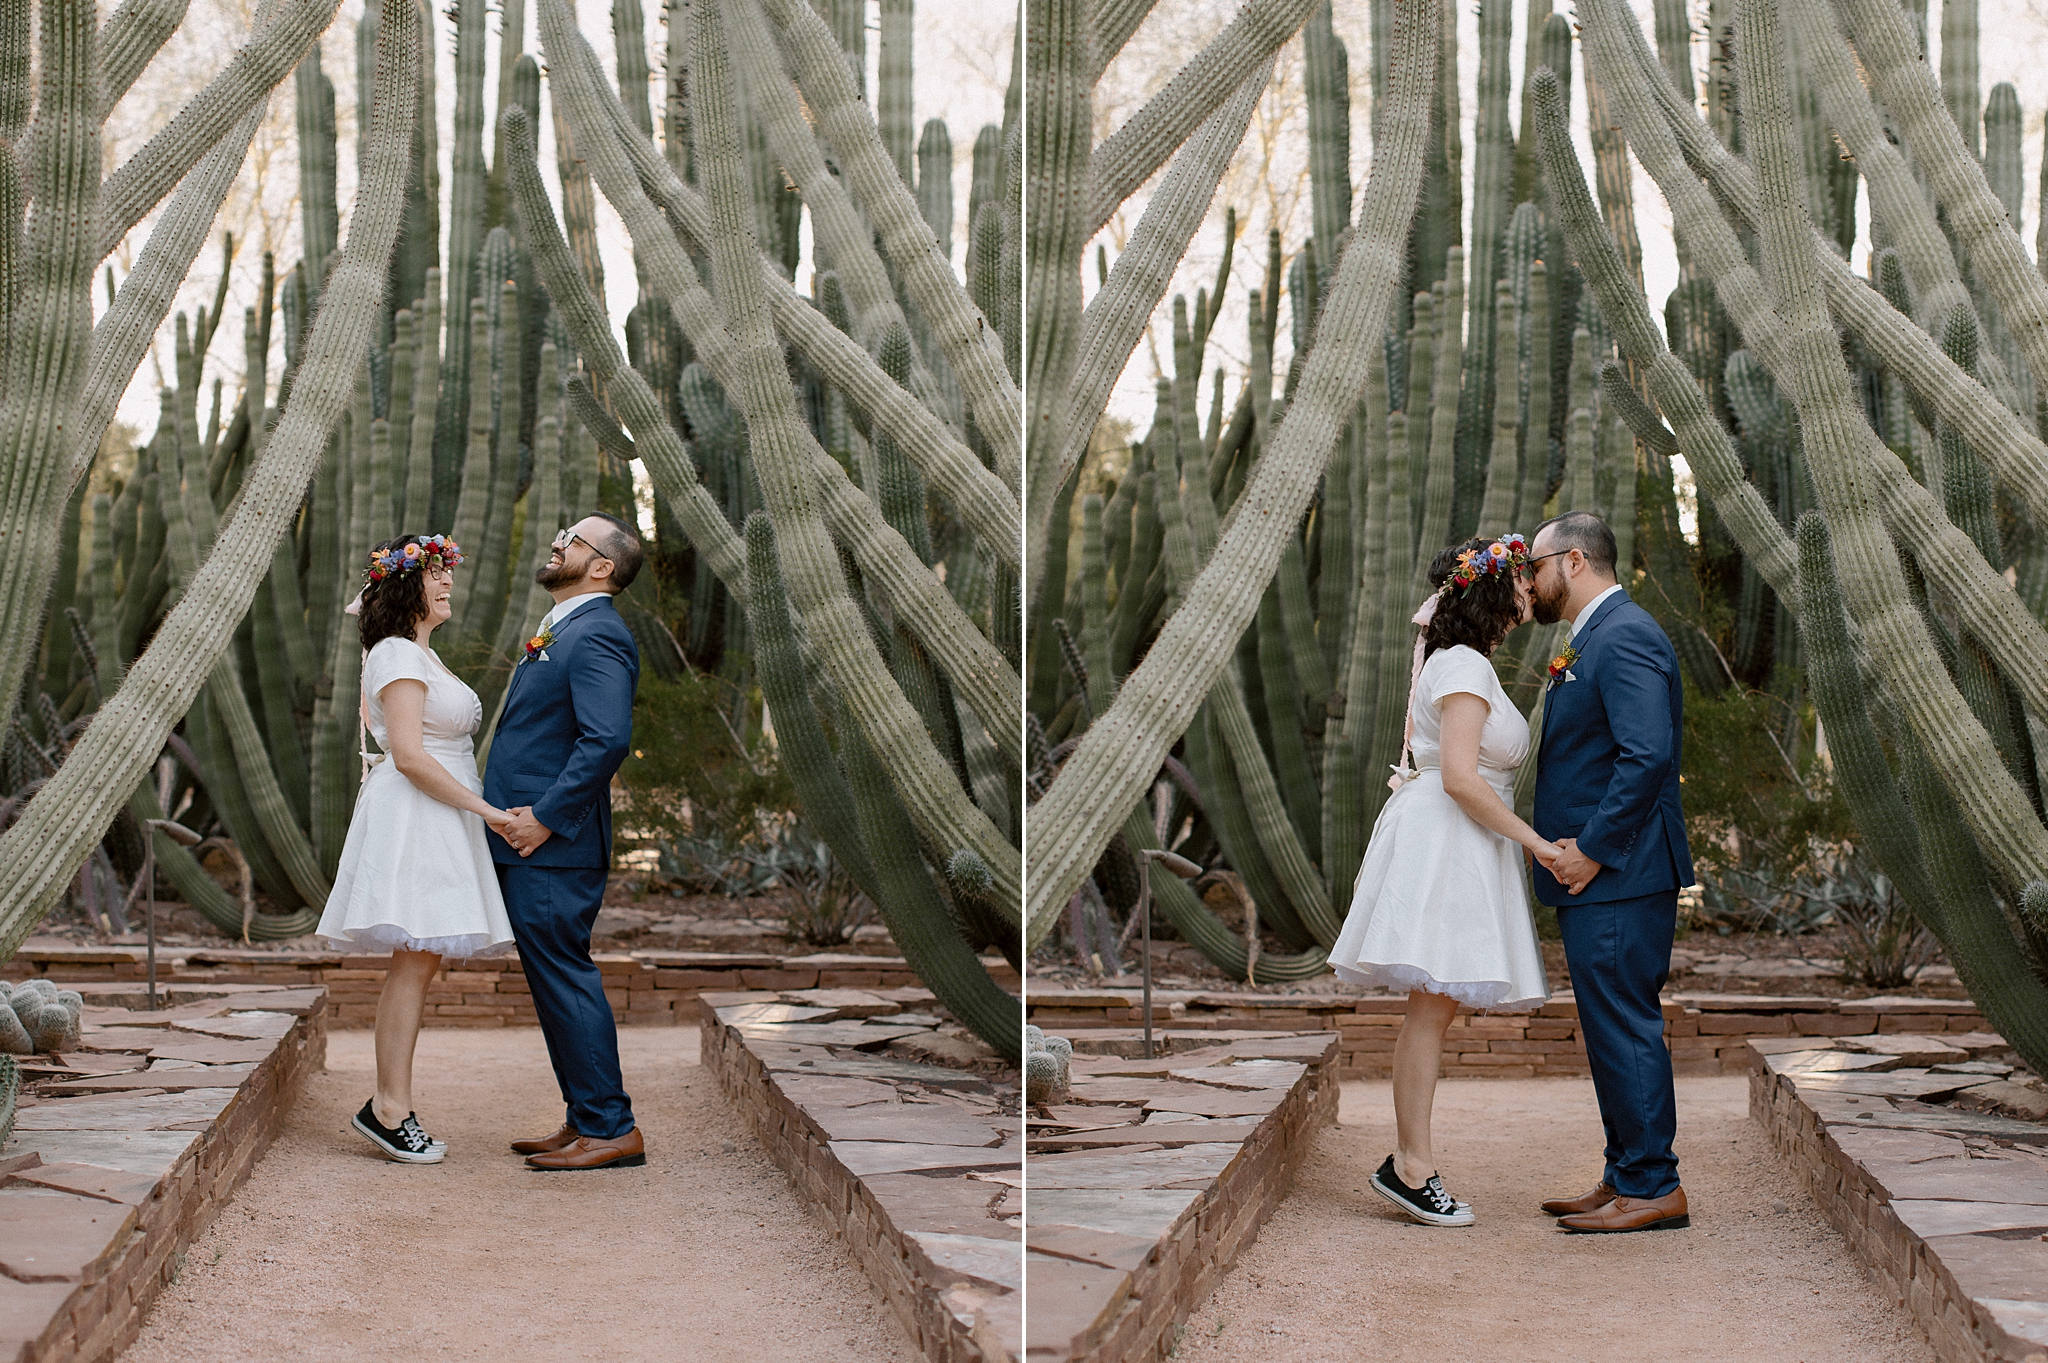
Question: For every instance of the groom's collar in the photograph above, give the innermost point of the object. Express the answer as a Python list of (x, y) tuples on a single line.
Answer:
[(1592, 608), (564, 609)]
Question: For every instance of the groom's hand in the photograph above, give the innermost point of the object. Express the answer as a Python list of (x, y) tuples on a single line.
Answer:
[(1573, 868), (524, 831)]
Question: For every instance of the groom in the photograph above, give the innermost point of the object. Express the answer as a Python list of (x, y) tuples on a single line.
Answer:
[(1607, 794), (566, 726)]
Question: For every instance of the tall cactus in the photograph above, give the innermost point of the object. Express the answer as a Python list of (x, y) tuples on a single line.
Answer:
[(1287, 754), (1219, 559), (451, 400)]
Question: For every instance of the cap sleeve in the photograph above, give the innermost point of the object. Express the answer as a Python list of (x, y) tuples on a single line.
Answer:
[(1458, 669), (393, 659)]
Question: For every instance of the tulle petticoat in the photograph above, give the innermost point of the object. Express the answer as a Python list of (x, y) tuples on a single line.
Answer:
[(415, 873), (1441, 904)]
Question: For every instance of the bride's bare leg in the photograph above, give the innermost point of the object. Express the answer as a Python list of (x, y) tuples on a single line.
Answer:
[(1417, 1056), (398, 1029)]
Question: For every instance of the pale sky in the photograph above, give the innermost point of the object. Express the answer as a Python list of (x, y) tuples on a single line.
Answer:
[(961, 64)]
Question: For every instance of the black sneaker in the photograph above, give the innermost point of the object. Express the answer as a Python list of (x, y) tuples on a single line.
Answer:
[(1429, 1204), (406, 1143), (412, 1121)]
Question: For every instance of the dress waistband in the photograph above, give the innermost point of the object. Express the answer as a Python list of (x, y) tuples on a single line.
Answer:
[(459, 749)]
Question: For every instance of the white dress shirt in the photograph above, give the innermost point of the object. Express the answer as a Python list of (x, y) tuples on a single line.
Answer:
[(1578, 621), (564, 609)]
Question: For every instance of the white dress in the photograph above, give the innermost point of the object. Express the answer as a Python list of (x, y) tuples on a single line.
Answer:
[(416, 873), (1441, 903)]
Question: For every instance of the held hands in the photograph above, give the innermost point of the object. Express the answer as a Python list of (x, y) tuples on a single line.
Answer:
[(1573, 868), (1544, 852), (523, 831), (495, 817)]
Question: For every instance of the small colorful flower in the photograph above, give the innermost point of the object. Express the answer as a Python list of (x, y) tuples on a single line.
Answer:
[(537, 646), (1560, 666)]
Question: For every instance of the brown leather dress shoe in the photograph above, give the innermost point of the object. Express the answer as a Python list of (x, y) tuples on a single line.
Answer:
[(1572, 1206), (546, 1144), (1632, 1213), (587, 1152)]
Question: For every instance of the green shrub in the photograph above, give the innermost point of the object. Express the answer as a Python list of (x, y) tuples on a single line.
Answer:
[(704, 790)]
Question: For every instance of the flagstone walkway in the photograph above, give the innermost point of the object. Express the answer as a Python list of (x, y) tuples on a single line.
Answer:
[(1760, 1276), (332, 1253)]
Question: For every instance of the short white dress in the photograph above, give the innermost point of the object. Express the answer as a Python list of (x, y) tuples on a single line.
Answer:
[(416, 873), (1441, 903)]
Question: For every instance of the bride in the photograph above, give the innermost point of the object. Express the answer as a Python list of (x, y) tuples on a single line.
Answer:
[(1441, 906), (415, 873)]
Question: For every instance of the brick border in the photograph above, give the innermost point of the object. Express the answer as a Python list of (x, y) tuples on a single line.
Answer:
[(1856, 1202), (945, 1322), (101, 1318), (1203, 1243), (652, 988), (1707, 1033)]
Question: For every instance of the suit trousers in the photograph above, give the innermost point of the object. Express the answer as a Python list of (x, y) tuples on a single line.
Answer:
[(1619, 954), (552, 909)]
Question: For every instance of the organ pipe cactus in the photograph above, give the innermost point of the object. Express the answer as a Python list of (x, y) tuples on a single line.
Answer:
[(69, 815), (1286, 754), (1223, 570), (491, 395)]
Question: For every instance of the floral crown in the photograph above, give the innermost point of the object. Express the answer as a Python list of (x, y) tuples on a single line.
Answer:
[(440, 549), (1505, 555)]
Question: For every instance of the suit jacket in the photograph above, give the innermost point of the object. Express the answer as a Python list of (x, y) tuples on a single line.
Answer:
[(566, 726), (1607, 773)]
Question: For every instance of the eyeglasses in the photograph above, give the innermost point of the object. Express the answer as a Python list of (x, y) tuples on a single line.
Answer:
[(1529, 564), (568, 537)]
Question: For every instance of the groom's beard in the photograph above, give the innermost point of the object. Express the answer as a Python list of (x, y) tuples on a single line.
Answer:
[(1548, 608), (553, 575)]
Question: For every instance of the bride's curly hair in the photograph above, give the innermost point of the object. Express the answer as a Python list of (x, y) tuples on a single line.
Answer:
[(395, 604), (1479, 616)]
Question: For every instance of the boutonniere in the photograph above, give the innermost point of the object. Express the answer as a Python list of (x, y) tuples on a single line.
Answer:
[(537, 646), (1561, 665)]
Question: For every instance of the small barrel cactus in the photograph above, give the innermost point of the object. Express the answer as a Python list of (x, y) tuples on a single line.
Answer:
[(36, 1015), (1046, 1073)]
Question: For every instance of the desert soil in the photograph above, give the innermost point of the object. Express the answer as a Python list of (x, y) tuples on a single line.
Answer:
[(330, 1252), (1338, 1274)]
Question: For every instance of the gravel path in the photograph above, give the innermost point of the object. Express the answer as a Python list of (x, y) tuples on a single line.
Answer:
[(1337, 1274), (330, 1252)]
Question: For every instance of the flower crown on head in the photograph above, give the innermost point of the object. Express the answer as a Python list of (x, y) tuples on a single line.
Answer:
[(1505, 555), (440, 549)]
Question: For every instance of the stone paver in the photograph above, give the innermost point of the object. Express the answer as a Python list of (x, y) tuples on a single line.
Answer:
[(1148, 1176), (918, 1163), (125, 1149), (1947, 1207)]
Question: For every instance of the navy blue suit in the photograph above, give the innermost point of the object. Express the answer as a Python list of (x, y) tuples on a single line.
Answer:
[(566, 726), (1607, 775)]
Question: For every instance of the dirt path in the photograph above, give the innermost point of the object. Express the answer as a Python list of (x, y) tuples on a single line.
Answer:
[(332, 1253), (1336, 1274)]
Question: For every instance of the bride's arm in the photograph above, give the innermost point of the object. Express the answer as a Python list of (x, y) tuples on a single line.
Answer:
[(405, 708), (1464, 718)]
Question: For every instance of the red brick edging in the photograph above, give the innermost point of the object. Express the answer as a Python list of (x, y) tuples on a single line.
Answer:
[(1707, 1033), (91, 1321), (656, 988)]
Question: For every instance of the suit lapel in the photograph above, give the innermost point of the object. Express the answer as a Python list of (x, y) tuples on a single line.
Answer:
[(1600, 616)]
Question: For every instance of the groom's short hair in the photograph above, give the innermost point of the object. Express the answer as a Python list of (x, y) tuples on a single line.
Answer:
[(1585, 532), (623, 549)]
